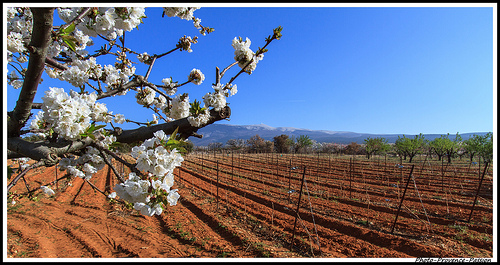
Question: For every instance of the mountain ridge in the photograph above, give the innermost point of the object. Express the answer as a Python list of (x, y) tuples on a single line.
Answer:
[(224, 132)]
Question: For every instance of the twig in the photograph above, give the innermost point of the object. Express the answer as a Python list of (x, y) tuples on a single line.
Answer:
[(121, 160), (21, 175), (111, 166), (95, 188)]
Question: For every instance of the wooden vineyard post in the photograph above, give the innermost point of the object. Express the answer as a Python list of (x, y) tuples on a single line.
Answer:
[(298, 208), (57, 182), (217, 196), (232, 167), (277, 169), (477, 192), (289, 180), (442, 174), (350, 177), (402, 198)]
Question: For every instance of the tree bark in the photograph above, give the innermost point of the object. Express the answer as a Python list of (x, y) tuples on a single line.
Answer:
[(40, 39), (185, 128)]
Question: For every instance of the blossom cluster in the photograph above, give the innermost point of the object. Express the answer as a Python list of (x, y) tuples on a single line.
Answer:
[(107, 21), (180, 107), (200, 119), (184, 13), (243, 54), (151, 192), (217, 100), (90, 162), (70, 115), (19, 28)]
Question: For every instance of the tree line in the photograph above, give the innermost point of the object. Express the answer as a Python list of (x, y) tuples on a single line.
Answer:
[(444, 147)]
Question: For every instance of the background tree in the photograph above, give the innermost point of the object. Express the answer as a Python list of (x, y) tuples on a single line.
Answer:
[(330, 148), (438, 146), (257, 144), (453, 146), (409, 147), (302, 143), (236, 144), (282, 143), (474, 144), (486, 150), (376, 145), (445, 146), (215, 146), (353, 149)]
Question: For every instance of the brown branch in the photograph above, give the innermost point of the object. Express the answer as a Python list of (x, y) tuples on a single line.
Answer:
[(137, 81), (53, 63), (185, 128), (46, 152), (23, 173), (110, 165), (94, 187), (40, 39), (119, 159), (77, 19)]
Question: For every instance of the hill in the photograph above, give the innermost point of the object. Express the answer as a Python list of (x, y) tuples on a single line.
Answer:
[(223, 132)]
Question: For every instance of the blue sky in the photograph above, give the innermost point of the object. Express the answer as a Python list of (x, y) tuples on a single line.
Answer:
[(376, 70)]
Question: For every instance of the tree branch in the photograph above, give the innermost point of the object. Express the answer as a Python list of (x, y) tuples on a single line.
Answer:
[(45, 152), (21, 175), (40, 39), (185, 128)]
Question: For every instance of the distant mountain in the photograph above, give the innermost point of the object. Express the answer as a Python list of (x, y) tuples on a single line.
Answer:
[(224, 132)]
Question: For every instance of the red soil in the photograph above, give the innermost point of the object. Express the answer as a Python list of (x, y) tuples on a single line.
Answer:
[(247, 213)]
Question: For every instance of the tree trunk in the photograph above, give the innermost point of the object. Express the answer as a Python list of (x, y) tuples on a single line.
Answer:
[(38, 46)]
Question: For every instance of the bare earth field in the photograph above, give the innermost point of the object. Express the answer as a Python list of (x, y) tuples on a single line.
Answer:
[(245, 207)]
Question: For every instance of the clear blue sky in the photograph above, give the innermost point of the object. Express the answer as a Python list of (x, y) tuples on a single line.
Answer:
[(376, 70)]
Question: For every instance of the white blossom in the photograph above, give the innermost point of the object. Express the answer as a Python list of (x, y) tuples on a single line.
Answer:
[(180, 107), (48, 191), (15, 42), (119, 118), (196, 76)]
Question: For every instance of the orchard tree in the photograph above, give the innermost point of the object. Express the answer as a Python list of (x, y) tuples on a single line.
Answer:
[(475, 144), (258, 144), (453, 147), (236, 144), (302, 143), (408, 147), (215, 146), (79, 133), (438, 146), (445, 146), (330, 148), (282, 143), (486, 150), (376, 145), (353, 149)]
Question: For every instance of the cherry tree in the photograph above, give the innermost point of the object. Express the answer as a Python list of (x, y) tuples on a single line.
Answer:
[(75, 130)]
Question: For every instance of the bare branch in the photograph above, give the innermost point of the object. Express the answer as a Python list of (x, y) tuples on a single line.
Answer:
[(119, 159), (21, 175), (110, 165), (45, 152), (185, 128)]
